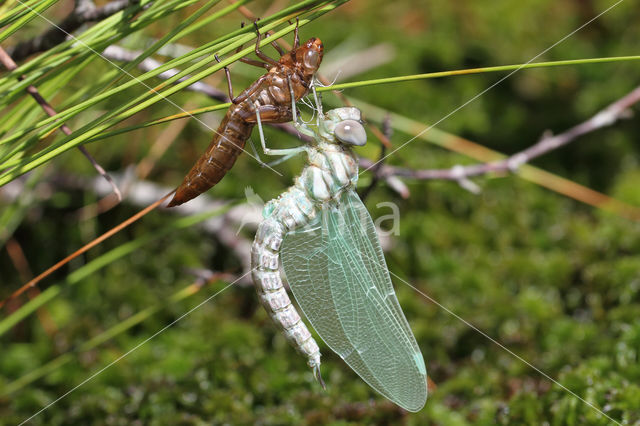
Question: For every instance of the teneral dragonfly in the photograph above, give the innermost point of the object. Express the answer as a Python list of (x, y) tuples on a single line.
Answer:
[(321, 232)]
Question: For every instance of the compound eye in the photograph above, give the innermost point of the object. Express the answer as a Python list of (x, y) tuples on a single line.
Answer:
[(311, 59), (351, 132)]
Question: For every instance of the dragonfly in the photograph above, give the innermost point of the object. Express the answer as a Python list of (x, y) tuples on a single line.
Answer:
[(323, 236)]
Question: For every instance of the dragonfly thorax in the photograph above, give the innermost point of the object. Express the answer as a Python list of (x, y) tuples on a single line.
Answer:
[(332, 169)]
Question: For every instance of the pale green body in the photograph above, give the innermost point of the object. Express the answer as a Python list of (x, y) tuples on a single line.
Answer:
[(334, 265)]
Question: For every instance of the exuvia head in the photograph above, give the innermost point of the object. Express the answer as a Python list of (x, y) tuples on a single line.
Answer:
[(309, 55), (345, 124)]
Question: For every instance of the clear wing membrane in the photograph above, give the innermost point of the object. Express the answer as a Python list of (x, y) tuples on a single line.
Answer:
[(339, 277)]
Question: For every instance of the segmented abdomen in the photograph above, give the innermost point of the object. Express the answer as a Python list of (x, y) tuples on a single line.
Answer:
[(284, 214), (228, 142)]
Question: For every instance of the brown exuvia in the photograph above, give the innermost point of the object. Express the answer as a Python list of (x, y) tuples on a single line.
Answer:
[(270, 96)]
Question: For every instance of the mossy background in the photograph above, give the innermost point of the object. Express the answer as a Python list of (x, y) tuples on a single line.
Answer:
[(553, 280)]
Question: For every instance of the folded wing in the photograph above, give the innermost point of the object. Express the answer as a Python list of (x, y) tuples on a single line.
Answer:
[(338, 276)]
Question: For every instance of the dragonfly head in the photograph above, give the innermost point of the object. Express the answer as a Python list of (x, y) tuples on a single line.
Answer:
[(345, 124)]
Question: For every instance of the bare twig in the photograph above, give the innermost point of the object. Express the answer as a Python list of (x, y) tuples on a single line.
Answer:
[(85, 11), (141, 193), (223, 227), (9, 64), (608, 116), (118, 53), (158, 148)]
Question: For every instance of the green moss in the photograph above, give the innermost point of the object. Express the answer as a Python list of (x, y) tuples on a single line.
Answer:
[(554, 281)]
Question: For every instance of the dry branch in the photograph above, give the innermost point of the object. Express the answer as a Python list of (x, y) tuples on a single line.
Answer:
[(225, 227), (606, 117), (84, 12), (117, 53)]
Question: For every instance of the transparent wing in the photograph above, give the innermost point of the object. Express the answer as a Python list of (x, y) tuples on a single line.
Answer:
[(339, 277)]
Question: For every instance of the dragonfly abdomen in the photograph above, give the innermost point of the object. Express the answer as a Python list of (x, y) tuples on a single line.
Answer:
[(265, 262), (292, 210)]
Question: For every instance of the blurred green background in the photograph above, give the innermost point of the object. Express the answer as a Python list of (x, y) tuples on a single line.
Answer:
[(555, 281)]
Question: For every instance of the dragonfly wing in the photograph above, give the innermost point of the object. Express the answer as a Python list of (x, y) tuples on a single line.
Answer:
[(339, 277)]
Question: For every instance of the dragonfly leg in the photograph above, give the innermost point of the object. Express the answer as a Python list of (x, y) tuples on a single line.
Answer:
[(257, 156), (299, 125), (255, 63), (269, 151), (296, 41), (258, 51), (228, 74), (276, 46), (294, 110), (271, 163), (318, 98), (296, 37), (282, 159), (248, 61)]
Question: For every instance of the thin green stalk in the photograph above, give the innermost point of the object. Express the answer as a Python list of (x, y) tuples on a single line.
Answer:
[(11, 12), (404, 78), (37, 373), (112, 28), (25, 19), (175, 32), (187, 114), (324, 89), (51, 123), (171, 36), (87, 132), (23, 112), (207, 49), (96, 38), (89, 42), (66, 114), (288, 11), (17, 118)]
